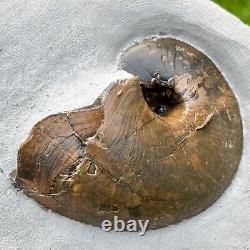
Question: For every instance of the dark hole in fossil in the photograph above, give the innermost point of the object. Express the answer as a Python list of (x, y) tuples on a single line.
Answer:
[(160, 94), (108, 208), (91, 169)]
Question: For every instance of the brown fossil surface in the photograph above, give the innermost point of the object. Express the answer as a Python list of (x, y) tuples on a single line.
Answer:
[(150, 153)]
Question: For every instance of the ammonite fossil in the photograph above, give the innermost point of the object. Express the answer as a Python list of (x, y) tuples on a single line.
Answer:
[(160, 146)]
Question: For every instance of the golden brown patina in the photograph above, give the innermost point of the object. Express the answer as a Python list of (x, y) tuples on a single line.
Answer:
[(156, 153)]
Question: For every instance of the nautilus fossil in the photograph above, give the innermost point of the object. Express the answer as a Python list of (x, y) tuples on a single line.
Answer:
[(160, 146)]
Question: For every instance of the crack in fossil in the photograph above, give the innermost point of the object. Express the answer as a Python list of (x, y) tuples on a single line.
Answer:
[(74, 132), (187, 137)]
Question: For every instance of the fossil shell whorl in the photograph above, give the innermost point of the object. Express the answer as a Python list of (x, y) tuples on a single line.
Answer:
[(120, 157)]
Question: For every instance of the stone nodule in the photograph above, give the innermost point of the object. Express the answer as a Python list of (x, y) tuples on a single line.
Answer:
[(161, 153)]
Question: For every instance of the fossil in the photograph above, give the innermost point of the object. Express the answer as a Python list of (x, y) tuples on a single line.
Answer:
[(160, 146)]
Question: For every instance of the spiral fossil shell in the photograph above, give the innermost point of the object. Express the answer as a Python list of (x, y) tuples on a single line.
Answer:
[(120, 157)]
